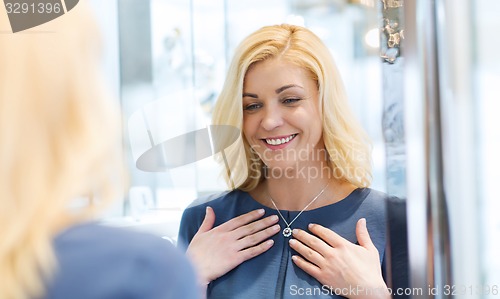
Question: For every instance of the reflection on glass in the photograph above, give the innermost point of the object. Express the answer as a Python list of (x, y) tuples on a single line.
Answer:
[(487, 78), (172, 77)]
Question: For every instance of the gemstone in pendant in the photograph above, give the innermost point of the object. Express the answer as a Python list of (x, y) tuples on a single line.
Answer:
[(287, 232)]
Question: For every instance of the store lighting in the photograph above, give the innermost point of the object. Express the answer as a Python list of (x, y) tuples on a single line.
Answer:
[(372, 38)]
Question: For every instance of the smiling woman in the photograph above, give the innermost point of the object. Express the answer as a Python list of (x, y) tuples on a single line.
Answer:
[(304, 162), (305, 57), (284, 116)]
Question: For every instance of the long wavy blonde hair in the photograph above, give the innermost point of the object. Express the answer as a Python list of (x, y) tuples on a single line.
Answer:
[(59, 139), (347, 144)]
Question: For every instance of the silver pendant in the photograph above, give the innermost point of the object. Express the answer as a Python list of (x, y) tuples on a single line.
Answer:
[(287, 232)]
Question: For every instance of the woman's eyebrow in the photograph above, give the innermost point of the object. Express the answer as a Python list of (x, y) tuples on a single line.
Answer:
[(251, 95), (278, 91), (285, 87)]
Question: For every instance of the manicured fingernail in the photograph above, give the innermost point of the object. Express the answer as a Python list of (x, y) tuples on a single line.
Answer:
[(274, 218), (295, 231), (311, 225), (260, 211), (294, 258), (292, 242)]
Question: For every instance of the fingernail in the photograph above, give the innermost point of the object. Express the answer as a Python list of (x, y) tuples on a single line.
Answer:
[(292, 242), (295, 231), (206, 210), (294, 257), (269, 243), (261, 211), (363, 221), (274, 218), (276, 227), (311, 225)]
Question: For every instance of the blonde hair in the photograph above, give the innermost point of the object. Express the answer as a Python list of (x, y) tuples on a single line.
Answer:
[(59, 138), (347, 144)]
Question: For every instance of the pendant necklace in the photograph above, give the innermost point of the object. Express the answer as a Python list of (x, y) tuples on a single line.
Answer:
[(287, 231)]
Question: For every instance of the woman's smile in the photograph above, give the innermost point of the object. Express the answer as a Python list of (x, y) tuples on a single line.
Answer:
[(278, 142)]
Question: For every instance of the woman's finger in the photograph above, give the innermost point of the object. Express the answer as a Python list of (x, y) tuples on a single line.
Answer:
[(330, 237), (208, 221), (255, 226), (242, 220), (254, 251), (363, 235), (312, 241), (308, 267), (259, 236), (306, 252)]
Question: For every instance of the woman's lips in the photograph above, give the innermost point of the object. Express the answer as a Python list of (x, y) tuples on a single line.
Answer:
[(278, 142)]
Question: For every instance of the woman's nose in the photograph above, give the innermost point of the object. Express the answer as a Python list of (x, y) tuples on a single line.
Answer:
[(273, 118)]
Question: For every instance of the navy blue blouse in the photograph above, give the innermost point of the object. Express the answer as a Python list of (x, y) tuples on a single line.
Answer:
[(100, 262), (273, 274)]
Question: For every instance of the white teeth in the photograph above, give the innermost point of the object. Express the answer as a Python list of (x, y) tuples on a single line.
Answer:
[(280, 141)]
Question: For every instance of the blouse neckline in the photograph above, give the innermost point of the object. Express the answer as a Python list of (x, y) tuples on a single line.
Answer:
[(346, 200)]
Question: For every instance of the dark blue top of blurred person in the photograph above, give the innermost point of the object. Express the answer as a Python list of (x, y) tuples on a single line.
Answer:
[(99, 262)]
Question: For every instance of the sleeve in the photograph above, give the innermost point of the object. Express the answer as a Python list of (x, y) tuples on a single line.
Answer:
[(190, 223)]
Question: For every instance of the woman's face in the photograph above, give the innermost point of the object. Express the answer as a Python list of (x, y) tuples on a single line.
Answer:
[(281, 119)]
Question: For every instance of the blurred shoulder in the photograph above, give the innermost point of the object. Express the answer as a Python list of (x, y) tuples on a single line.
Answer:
[(117, 242), (118, 262)]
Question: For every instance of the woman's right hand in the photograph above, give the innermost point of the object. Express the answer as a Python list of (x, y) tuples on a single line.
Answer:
[(216, 251)]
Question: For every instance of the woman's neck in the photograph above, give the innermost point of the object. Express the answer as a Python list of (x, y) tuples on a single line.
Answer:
[(295, 194)]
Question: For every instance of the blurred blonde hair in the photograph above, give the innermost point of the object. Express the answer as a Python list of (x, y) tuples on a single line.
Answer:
[(59, 139), (346, 142)]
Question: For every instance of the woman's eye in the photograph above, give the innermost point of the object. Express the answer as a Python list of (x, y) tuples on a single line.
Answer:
[(291, 100), (251, 107)]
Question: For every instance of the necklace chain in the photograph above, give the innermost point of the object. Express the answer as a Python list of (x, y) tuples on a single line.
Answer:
[(287, 232)]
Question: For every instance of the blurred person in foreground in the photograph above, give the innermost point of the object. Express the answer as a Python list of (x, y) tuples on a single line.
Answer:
[(59, 141)]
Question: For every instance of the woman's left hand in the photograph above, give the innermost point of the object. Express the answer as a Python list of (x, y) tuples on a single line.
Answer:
[(340, 264)]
